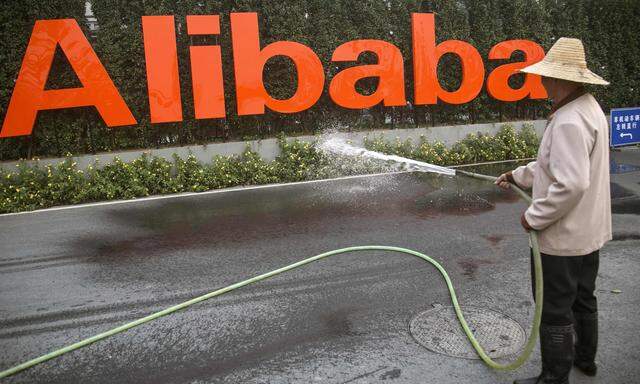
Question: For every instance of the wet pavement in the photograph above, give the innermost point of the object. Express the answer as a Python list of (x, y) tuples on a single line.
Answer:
[(69, 274)]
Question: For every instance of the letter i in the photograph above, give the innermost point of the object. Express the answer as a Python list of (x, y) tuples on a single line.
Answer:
[(163, 79), (206, 68)]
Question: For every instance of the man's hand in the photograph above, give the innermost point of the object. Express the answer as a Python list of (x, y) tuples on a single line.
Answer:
[(525, 223), (505, 180)]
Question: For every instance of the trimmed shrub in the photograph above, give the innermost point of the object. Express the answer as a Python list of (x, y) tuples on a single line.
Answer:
[(475, 148)]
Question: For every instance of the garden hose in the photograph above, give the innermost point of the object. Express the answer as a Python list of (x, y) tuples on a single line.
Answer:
[(454, 300)]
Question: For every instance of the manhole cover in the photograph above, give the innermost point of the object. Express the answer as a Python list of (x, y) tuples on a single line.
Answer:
[(439, 331)]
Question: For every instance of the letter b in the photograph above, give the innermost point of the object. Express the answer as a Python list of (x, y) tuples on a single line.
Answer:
[(426, 56), (249, 61)]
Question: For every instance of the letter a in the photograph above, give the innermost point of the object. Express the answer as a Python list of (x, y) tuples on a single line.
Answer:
[(498, 80), (389, 70), (29, 95)]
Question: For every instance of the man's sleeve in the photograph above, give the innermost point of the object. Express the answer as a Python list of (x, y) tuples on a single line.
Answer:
[(569, 166), (523, 175)]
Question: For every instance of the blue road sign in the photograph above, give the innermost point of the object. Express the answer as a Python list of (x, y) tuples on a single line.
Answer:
[(625, 126)]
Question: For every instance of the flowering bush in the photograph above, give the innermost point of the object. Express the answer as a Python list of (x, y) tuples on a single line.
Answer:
[(23, 190), (33, 187), (65, 184)]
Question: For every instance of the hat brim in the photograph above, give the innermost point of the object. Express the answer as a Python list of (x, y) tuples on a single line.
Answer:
[(570, 73)]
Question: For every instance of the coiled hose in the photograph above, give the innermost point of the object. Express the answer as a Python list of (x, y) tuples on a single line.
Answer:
[(454, 300)]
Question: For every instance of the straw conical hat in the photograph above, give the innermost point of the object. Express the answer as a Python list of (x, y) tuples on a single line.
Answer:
[(566, 60)]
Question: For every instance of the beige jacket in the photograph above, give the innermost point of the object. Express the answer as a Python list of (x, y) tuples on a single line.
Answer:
[(571, 206)]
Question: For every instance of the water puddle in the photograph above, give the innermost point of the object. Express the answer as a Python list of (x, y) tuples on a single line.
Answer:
[(447, 197), (618, 168), (624, 201)]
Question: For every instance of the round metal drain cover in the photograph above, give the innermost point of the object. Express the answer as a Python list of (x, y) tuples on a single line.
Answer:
[(438, 330)]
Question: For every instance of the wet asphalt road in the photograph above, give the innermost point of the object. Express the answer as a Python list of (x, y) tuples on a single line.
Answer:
[(69, 274)]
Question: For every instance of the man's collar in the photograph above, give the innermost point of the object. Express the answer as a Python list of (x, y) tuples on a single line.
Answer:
[(569, 98)]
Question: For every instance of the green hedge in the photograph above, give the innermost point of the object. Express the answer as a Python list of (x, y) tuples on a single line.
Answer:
[(608, 29), (475, 148), (33, 187)]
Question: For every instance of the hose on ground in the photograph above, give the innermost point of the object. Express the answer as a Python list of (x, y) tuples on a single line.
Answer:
[(524, 355)]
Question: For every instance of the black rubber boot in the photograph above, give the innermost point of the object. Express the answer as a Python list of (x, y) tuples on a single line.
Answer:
[(556, 349), (587, 344)]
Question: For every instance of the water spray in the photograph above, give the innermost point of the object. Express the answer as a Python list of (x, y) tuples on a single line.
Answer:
[(341, 147)]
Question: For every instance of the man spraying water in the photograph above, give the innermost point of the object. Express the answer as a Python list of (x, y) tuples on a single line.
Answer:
[(571, 209)]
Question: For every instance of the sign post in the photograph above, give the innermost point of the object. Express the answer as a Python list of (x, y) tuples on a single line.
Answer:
[(625, 126)]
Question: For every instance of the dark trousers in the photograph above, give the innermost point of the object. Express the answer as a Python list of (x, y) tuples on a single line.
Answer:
[(569, 285)]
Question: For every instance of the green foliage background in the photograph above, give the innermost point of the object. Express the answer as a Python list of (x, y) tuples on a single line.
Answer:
[(608, 28)]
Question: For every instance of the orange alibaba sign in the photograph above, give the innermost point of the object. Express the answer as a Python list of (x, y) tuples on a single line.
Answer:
[(163, 84)]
